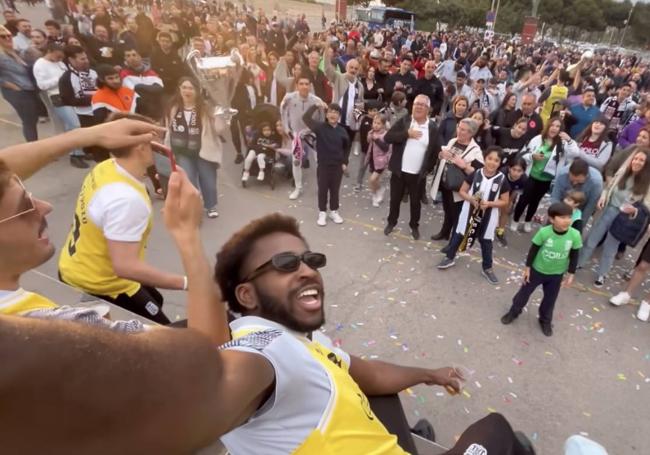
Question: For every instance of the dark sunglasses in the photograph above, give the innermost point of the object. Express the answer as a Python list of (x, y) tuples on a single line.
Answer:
[(288, 262)]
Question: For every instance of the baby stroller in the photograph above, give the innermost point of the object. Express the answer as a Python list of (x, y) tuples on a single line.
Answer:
[(264, 113)]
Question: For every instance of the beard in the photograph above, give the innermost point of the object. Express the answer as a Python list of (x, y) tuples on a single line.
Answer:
[(281, 312)]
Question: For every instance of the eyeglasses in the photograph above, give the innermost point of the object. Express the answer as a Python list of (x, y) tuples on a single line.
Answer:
[(28, 200), (288, 262)]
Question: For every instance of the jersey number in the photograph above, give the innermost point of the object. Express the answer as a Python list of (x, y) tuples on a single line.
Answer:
[(72, 245)]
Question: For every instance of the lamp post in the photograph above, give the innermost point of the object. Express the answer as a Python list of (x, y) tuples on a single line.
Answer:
[(627, 22)]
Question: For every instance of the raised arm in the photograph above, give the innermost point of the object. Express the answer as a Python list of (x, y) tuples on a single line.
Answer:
[(27, 159)]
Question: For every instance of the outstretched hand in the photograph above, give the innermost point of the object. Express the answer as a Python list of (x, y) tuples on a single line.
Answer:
[(121, 133), (446, 377), (183, 210)]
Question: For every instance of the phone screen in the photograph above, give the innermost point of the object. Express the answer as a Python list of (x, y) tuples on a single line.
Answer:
[(166, 152)]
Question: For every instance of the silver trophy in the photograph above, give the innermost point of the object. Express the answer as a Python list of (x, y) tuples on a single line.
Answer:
[(218, 76)]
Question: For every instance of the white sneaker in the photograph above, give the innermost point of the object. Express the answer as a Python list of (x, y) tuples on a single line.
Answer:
[(260, 176), (295, 194), (212, 213), (322, 219), (514, 226), (380, 194), (644, 311), (375, 200), (528, 228), (334, 216), (244, 176), (622, 298)]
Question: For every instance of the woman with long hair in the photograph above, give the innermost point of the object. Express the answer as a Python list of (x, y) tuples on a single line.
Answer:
[(506, 115), (629, 184), (592, 145), (511, 140), (193, 136), (458, 112), (544, 154), (18, 86), (370, 87), (483, 136)]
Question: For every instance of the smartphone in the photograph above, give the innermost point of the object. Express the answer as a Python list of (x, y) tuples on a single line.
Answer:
[(166, 152)]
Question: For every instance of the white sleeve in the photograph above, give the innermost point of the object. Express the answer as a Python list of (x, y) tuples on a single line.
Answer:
[(120, 212), (323, 339)]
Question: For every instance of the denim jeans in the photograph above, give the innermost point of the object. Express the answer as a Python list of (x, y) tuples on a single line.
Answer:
[(610, 246), (68, 117), (28, 106), (203, 175), (486, 249)]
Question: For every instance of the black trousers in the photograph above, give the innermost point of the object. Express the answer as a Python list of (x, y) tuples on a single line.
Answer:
[(533, 192), (147, 302), (415, 186), (490, 435), (329, 185), (236, 130), (451, 210), (550, 284)]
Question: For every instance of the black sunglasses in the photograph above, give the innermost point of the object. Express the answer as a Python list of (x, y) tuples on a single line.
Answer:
[(288, 262)]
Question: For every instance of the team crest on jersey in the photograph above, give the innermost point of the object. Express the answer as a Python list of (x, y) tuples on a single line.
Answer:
[(475, 449)]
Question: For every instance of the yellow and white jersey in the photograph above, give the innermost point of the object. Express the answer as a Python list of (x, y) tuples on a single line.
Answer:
[(21, 302), (316, 407), (112, 205)]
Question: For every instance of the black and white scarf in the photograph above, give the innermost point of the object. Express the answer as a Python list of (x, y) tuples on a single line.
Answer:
[(184, 137)]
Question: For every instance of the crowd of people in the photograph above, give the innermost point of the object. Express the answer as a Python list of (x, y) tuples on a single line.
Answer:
[(485, 129)]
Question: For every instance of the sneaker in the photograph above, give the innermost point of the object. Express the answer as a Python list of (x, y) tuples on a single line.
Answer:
[(388, 229), (514, 226), (260, 176), (244, 176), (295, 194), (501, 237), (375, 200), (644, 311), (547, 328), (212, 213), (322, 219), (239, 158), (622, 298), (78, 162), (508, 318), (599, 281), (528, 228), (380, 194), (334, 216), (490, 276), (446, 263), (357, 188), (415, 232)]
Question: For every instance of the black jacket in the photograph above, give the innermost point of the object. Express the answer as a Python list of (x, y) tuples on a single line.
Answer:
[(434, 90), (448, 128), (332, 142), (170, 67), (398, 135)]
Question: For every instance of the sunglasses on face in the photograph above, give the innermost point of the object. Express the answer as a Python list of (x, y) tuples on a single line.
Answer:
[(288, 262), (27, 204)]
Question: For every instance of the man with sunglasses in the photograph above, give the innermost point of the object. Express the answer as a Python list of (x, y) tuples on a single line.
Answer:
[(24, 240)]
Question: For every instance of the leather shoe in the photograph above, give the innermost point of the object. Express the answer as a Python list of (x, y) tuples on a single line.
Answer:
[(388, 229), (439, 236), (415, 232)]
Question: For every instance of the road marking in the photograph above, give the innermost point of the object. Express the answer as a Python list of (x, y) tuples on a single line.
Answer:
[(9, 122)]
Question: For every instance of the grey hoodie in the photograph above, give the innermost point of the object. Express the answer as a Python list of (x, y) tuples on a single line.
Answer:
[(292, 109)]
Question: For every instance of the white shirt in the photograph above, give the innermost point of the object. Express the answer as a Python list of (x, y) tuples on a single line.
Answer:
[(47, 75), (119, 210), (302, 395), (351, 91), (415, 149)]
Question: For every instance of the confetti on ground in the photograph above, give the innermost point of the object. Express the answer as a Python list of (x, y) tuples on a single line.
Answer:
[(517, 361), (548, 353), (621, 377), (510, 380), (467, 394), (586, 414), (491, 409)]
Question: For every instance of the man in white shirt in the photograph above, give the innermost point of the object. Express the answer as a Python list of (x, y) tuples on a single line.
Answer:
[(415, 148), (23, 40)]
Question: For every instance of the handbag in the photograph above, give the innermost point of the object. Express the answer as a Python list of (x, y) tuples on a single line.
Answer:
[(56, 100), (453, 176), (630, 230)]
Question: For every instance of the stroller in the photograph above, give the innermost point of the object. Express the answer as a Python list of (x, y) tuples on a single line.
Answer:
[(265, 113)]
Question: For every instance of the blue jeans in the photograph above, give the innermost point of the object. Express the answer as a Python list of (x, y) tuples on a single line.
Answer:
[(28, 106), (70, 121), (203, 175), (486, 249), (597, 232)]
